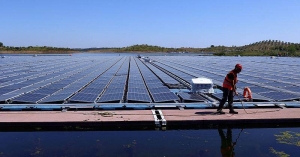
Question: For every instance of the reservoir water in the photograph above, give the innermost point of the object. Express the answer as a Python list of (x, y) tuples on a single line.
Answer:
[(266, 142)]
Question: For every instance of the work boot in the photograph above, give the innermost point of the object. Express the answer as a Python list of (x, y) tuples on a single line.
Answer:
[(220, 112), (233, 112)]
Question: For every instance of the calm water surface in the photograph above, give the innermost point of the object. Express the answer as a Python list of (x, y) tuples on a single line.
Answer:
[(269, 142)]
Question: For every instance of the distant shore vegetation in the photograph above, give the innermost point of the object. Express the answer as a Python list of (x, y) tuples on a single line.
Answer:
[(33, 49), (261, 48)]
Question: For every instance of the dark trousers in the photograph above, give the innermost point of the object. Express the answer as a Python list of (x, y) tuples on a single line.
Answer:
[(227, 95)]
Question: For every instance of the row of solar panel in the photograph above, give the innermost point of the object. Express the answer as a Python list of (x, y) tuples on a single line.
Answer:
[(65, 85), (158, 91), (20, 71), (273, 90), (137, 91)]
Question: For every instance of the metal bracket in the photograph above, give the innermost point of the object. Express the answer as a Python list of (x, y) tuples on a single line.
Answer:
[(159, 119)]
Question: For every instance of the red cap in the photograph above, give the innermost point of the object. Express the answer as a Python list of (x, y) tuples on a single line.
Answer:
[(239, 66)]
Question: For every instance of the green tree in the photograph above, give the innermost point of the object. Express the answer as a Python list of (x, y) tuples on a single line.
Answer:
[(292, 48), (1, 44)]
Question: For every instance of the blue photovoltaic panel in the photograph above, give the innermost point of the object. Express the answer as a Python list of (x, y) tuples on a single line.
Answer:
[(277, 84), (116, 86), (83, 97), (164, 97), (56, 86), (257, 89), (137, 90), (136, 84), (55, 98), (191, 97), (94, 85), (46, 91), (91, 90), (114, 90), (70, 75), (69, 90), (5, 90), (280, 96), (242, 84), (159, 90), (16, 86), (154, 85), (116, 97), (29, 98), (293, 88), (140, 97)]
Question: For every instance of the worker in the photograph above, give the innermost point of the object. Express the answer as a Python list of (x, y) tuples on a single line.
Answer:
[(229, 89)]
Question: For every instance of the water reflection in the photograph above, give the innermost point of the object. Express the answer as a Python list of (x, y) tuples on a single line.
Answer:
[(227, 145)]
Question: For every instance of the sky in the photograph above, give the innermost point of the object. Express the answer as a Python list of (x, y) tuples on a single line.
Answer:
[(167, 23)]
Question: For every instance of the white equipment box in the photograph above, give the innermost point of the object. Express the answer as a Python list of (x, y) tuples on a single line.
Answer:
[(202, 85)]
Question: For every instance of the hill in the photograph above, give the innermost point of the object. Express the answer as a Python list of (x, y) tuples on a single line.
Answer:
[(261, 48)]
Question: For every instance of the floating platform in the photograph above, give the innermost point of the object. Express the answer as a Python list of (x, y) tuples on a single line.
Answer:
[(164, 119)]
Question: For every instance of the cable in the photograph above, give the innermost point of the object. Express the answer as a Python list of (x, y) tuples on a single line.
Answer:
[(256, 111), (242, 103)]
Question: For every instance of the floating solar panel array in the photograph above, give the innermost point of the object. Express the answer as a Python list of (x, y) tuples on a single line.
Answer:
[(269, 79), (158, 91), (127, 79), (117, 78), (137, 90)]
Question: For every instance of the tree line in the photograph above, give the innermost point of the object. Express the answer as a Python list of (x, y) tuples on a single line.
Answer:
[(260, 48), (41, 49)]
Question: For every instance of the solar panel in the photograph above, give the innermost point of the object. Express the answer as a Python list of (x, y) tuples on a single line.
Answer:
[(56, 86), (159, 90), (155, 85), (136, 85), (116, 85), (257, 89), (115, 97), (277, 84), (83, 97), (46, 91), (5, 90), (242, 84), (57, 98), (191, 97), (92, 90), (29, 98), (292, 88), (139, 97), (164, 97), (68, 75), (280, 96), (115, 90)]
